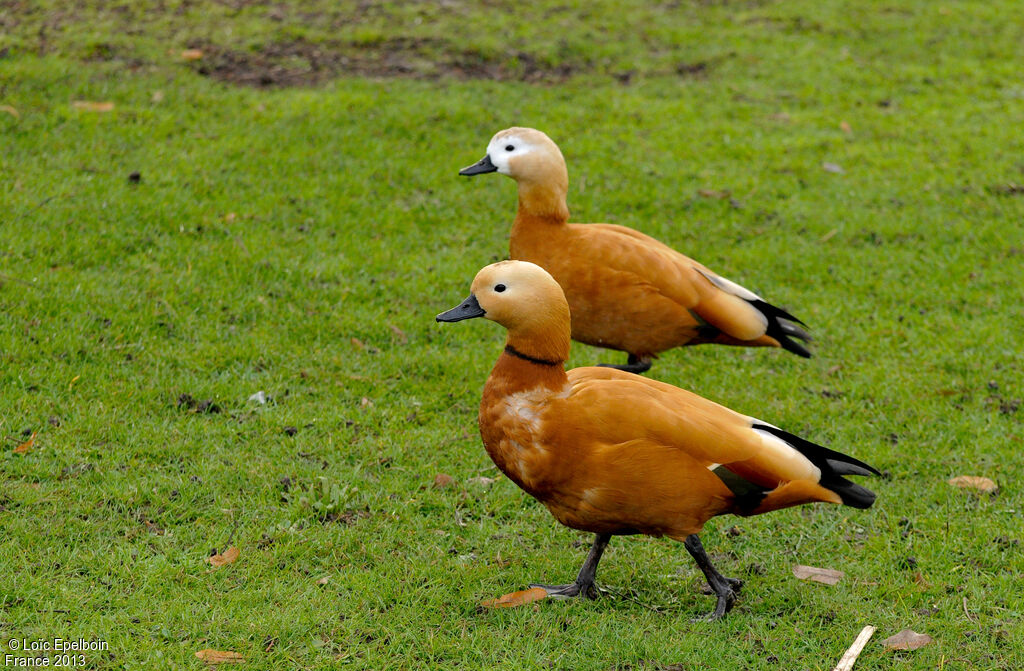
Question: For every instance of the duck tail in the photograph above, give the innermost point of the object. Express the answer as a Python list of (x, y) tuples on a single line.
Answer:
[(784, 327), (833, 465)]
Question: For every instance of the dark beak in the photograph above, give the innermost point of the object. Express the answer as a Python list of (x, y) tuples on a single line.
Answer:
[(479, 168), (467, 309)]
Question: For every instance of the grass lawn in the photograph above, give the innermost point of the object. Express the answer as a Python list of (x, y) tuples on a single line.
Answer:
[(295, 223)]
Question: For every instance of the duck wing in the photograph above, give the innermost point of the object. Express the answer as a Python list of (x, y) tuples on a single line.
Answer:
[(752, 457), (711, 298)]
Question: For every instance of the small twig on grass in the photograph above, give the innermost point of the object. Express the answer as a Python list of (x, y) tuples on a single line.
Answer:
[(43, 202), (234, 528), (850, 657), (8, 278), (966, 612)]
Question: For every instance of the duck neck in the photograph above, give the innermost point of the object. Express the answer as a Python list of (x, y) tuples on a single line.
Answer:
[(530, 361), (544, 200), (512, 373)]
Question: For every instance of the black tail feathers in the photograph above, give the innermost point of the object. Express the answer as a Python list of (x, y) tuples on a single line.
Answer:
[(783, 327), (834, 465), (850, 493)]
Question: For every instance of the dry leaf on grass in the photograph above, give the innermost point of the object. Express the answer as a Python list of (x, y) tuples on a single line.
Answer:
[(229, 556), (211, 656), (981, 484), (825, 576), (191, 54), (713, 193), (93, 106), (364, 402), (324, 580), (845, 127), (908, 639), (10, 110), (832, 167), (481, 480), (516, 598), (27, 445), (403, 337), (443, 480)]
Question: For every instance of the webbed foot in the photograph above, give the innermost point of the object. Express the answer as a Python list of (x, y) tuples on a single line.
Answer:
[(584, 585), (587, 590), (726, 589)]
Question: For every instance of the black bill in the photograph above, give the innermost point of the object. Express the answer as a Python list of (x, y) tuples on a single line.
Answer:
[(467, 309), (482, 166)]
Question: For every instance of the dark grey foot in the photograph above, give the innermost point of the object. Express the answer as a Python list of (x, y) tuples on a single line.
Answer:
[(633, 365), (735, 583), (587, 590), (584, 585), (724, 604), (726, 589)]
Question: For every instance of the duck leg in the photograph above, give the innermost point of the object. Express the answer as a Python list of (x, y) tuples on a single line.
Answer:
[(584, 585), (634, 364), (724, 588)]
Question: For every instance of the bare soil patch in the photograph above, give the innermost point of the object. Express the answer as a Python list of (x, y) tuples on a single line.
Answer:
[(301, 63)]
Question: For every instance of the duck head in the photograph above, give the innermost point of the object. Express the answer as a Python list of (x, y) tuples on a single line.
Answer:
[(534, 161), (526, 300)]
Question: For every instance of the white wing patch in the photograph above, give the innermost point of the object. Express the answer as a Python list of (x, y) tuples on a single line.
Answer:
[(786, 458), (730, 287)]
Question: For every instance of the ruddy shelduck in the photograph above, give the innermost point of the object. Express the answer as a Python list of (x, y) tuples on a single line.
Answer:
[(615, 453), (626, 290)]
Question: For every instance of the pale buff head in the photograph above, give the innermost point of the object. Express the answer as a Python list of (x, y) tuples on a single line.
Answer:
[(526, 300), (526, 154), (534, 161)]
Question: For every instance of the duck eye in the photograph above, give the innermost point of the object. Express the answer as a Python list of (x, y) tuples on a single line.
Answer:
[(510, 147), (499, 288)]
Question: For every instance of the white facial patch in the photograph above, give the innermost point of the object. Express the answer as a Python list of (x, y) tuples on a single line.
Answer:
[(504, 149)]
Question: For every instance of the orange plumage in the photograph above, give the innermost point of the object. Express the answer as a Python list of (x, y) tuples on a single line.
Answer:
[(614, 453), (627, 291)]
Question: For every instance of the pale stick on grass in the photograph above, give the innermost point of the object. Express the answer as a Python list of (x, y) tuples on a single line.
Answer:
[(848, 659)]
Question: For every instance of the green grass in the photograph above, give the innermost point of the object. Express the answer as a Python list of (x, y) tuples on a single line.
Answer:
[(299, 241)]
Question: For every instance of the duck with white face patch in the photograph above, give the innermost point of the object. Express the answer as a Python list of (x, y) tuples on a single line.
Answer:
[(627, 291), (614, 453)]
